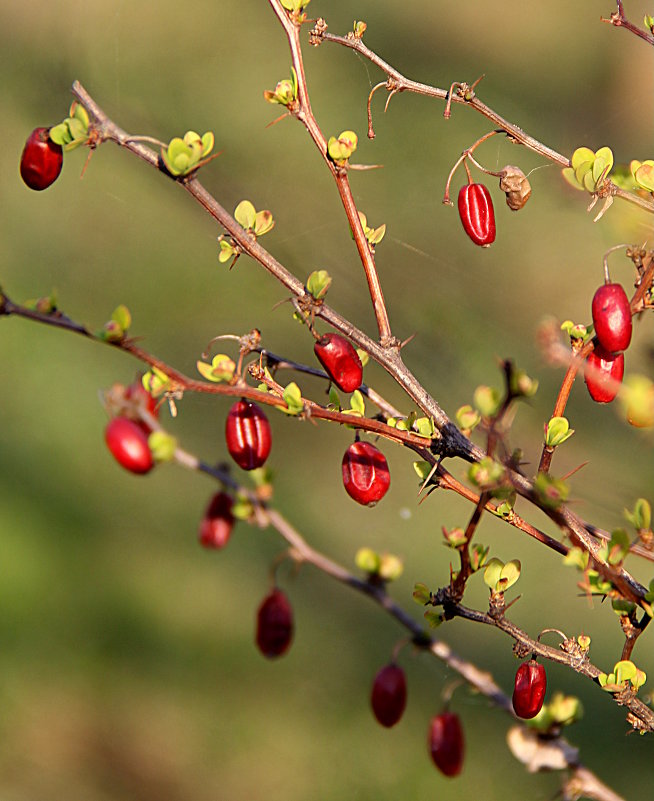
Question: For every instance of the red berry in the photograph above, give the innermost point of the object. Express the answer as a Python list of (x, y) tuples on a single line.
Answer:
[(340, 360), (529, 689), (477, 214), (128, 444), (41, 161), (248, 436), (605, 376), (388, 697), (274, 625), (612, 317), (446, 743), (218, 521), (365, 473)]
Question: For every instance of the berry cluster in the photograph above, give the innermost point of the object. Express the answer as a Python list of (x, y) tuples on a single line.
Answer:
[(611, 313)]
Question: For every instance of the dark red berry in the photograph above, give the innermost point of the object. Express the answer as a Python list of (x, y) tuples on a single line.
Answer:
[(388, 696), (218, 521), (612, 317), (274, 625), (365, 473), (605, 376), (41, 161), (446, 743), (529, 689), (248, 436), (477, 213), (128, 444), (340, 360)]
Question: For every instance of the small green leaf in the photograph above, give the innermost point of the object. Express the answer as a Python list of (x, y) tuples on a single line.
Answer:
[(509, 574), (576, 558), (334, 399), (605, 154), (425, 427), (245, 214), (467, 418), (434, 618), (557, 431), (263, 222), (222, 368), (492, 572), (487, 473), (487, 401), (156, 382), (318, 283), (644, 176), (641, 517), (569, 174), (122, 316), (357, 403), (624, 671), (390, 567), (423, 469), (421, 594), (293, 399), (227, 251), (550, 491), (581, 155), (208, 142)]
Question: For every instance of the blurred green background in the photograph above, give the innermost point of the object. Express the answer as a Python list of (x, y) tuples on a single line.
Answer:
[(127, 664)]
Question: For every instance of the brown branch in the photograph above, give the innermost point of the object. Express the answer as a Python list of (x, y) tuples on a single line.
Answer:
[(619, 20), (466, 96)]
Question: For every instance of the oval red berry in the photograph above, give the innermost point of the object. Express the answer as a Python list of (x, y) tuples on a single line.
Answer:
[(612, 317), (218, 521), (128, 444), (340, 360), (41, 160), (274, 625), (388, 696), (605, 375), (366, 477), (446, 743), (529, 689), (248, 435), (477, 213)]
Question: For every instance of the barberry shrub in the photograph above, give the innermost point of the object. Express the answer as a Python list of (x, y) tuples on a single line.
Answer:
[(128, 650)]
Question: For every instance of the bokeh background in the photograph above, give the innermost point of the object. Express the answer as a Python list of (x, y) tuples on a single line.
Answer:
[(127, 663)]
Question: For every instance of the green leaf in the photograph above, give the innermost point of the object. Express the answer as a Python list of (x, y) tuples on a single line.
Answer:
[(357, 403), (624, 671), (318, 283), (557, 431), (245, 214), (509, 574), (208, 142), (569, 174), (550, 491), (493, 572), (467, 418), (434, 618), (605, 154), (644, 176), (423, 469), (581, 155), (122, 316), (334, 399), (222, 368), (424, 426), (156, 382), (293, 399), (487, 400), (263, 222), (641, 517), (421, 594), (390, 567), (577, 558)]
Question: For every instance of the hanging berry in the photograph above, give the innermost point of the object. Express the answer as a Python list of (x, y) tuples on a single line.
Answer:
[(605, 375), (477, 213), (248, 435), (365, 473), (612, 317), (388, 696), (529, 689), (446, 743), (218, 521), (274, 625), (340, 360), (41, 160), (128, 444)]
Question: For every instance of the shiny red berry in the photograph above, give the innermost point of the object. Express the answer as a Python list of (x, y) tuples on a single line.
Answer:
[(128, 444), (612, 317), (41, 161), (605, 376), (529, 689), (248, 436), (274, 625), (340, 360), (388, 696), (365, 473), (218, 521), (477, 213), (446, 743)]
